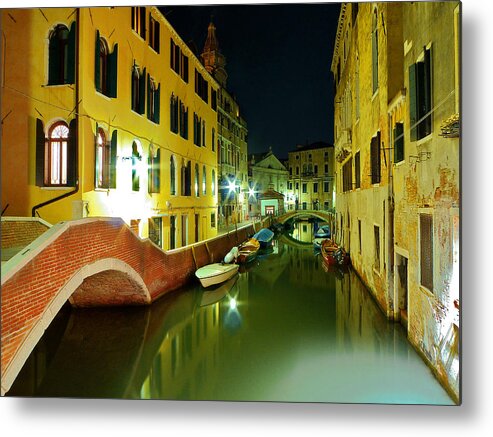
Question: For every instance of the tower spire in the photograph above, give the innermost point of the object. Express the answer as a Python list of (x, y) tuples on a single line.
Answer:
[(214, 61)]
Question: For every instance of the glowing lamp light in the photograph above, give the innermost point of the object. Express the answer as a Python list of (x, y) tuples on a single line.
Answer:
[(251, 192), (231, 186), (232, 303)]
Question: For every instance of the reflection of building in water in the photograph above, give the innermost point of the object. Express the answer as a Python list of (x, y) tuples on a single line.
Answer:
[(187, 360), (303, 231), (359, 324), (185, 356)]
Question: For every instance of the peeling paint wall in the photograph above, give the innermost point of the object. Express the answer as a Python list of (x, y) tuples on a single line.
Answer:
[(424, 181)]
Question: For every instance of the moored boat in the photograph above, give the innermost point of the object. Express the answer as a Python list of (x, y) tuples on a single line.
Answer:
[(264, 237), (215, 273), (248, 250), (215, 294), (322, 232), (327, 250), (333, 254)]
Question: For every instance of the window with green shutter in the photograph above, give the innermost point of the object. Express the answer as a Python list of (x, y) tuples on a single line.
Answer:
[(398, 133), (420, 97)]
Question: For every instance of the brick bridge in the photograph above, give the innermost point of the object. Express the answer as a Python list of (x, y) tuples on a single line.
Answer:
[(305, 214), (90, 262)]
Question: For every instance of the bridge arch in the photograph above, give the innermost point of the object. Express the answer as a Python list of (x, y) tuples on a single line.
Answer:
[(305, 213), (131, 290)]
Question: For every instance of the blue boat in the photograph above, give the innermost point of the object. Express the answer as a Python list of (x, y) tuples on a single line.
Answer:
[(264, 237), (323, 232)]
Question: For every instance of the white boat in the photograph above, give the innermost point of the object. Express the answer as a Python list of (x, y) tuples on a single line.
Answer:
[(215, 294), (216, 273)]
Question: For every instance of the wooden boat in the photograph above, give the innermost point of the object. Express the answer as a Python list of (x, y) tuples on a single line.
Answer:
[(215, 273), (264, 237), (215, 294), (333, 254), (327, 250), (248, 250)]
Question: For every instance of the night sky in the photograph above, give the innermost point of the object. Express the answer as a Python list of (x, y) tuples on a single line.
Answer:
[(278, 63)]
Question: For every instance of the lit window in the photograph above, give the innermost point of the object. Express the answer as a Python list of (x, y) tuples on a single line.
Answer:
[(135, 167), (154, 170), (103, 159), (204, 181), (57, 154), (138, 20)]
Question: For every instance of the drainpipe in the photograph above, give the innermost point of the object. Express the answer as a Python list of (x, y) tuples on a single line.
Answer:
[(76, 189)]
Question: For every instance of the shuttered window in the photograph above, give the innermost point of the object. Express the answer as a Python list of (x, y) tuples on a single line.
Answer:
[(347, 176), (153, 100), (357, 170), (426, 250), (138, 20), (420, 97), (398, 133), (375, 159), (106, 67), (376, 231), (138, 90), (154, 37), (374, 50), (172, 174)]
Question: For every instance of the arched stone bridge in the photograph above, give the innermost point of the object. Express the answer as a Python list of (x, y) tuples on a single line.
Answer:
[(90, 262), (305, 214)]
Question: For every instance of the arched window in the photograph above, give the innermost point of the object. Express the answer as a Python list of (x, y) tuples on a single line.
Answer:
[(213, 183), (374, 49), (197, 191), (154, 176), (213, 139), (153, 97), (61, 61), (106, 67), (172, 174), (204, 181), (138, 90), (103, 159), (135, 167), (56, 171)]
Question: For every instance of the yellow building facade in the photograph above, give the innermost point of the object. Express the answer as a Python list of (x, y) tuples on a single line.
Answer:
[(311, 177), (396, 108), (109, 114)]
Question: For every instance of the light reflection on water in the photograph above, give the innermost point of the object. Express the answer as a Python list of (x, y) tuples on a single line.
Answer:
[(284, 330)]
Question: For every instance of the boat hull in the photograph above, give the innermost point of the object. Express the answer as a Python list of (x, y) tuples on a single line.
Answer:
[(247, 252), (217, 273)]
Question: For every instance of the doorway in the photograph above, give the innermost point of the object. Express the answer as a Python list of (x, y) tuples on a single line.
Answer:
[(401, 288)]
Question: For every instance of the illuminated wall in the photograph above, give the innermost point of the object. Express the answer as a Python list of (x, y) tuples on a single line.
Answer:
[(138, 105), (396, 130), (311, 177)]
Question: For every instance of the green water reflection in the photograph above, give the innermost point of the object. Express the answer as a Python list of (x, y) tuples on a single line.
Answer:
[(284, 329)]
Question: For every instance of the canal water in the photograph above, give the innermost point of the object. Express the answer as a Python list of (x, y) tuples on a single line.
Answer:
[(286, 328)]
